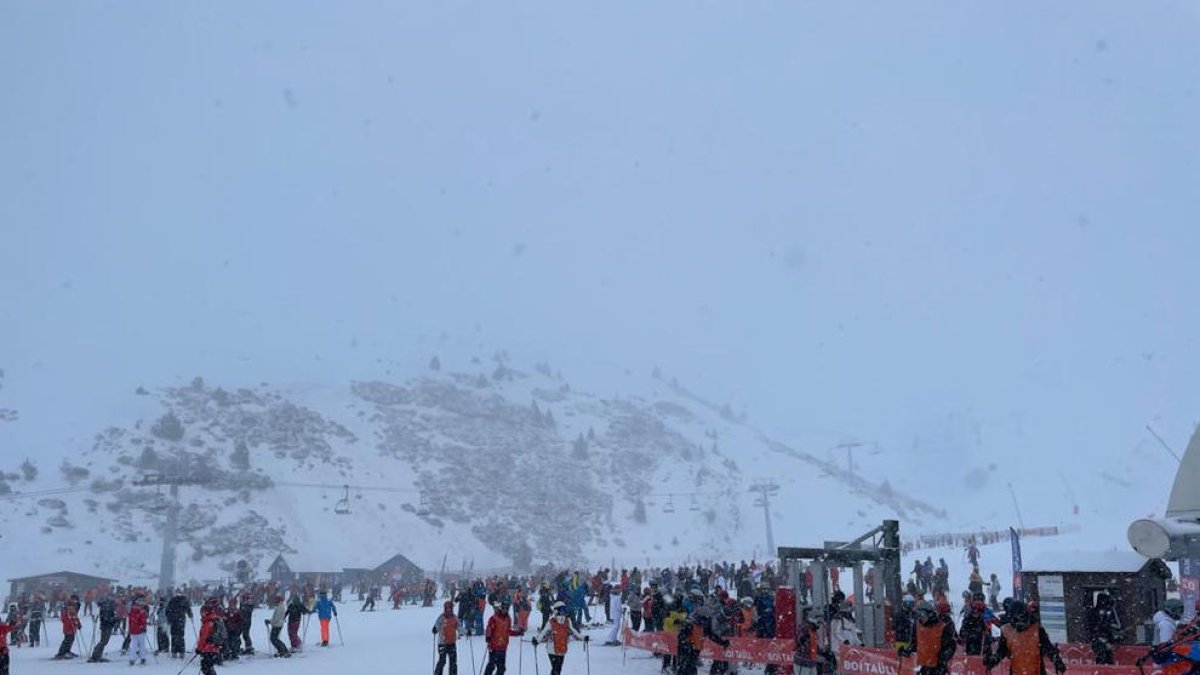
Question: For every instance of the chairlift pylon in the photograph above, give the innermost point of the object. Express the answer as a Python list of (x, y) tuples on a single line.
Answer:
[(342, 508)]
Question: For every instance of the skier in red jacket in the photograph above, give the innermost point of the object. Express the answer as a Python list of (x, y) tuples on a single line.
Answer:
[(205, 647), (138, 618), (70, 624), (5, 629), (499, 628)]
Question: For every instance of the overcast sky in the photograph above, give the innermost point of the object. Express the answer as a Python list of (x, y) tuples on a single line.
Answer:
[(851, 218)]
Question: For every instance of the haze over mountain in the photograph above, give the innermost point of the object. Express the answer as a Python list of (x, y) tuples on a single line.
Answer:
[(961, 235)]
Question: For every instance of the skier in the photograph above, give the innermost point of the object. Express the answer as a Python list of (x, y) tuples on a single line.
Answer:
[(138, 618), (975, 633), (807, 657), (690, 642), (1166, 621), (498, 630), (5, 629), (934, 640), (106, 610), (247, 615), (903, 623), (446, 630), (560, 630), (1025, 644), (295, 611), (37, 614), (633, 600), (326, 610), (275, 626), (71, 625), (994, 592), (1101, 627), (369, 605), (206, 645), (179, 610), (614, 609)]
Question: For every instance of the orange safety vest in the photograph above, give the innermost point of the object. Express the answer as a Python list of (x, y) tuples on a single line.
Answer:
[(1024, 648), (696, 637), (561, 631), (449, 629), (929, 644)]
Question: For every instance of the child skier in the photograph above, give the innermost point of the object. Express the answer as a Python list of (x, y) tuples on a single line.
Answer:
[(561, 630), (446, 630), (498, 630), (326, 610)]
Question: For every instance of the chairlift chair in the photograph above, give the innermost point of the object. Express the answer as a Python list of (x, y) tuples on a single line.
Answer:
[(669, 507), (342, 508), (695, 505), (423, 507)]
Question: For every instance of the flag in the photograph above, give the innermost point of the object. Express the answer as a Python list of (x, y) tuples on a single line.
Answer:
[(1018, 589)]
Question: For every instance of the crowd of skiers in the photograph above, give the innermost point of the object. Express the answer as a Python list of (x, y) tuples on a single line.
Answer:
[(153, 624)]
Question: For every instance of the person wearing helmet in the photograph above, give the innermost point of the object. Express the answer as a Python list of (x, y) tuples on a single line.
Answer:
[(560, 631), (446, 630), (934, 639), (1102, 628), (902, 623), (498, 630), (275, 626), (207, 645), (325, 610), (692, 633), (1166, 620), (1025, 644), (975, 632), (806, 657)]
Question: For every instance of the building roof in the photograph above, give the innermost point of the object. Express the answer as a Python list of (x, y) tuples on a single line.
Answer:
[(1127, 562), (60, 574), (398, 561)]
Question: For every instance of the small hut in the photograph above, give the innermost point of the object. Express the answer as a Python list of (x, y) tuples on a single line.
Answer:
[(1066, 585)]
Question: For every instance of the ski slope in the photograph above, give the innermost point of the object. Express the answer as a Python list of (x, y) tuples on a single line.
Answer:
[(397, 642)]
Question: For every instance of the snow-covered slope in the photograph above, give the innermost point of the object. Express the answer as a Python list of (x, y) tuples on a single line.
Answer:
[(491, 467)]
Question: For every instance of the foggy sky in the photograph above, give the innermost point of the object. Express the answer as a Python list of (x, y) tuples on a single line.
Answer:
[(849, 219)]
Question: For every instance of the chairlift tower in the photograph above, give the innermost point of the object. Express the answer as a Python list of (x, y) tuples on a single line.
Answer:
[(766, 488), (166, 570)]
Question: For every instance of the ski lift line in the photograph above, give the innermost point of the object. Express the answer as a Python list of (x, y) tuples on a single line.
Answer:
[(358, 488), (45, 493)]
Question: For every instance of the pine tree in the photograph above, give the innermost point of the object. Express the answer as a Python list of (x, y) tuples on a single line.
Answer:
[(579, 449), (29, 470), (240, 457), (639, 512), (168, 427), (435, 364)]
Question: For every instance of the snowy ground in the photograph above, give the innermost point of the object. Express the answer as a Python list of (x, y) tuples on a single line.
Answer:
[(396, 642)]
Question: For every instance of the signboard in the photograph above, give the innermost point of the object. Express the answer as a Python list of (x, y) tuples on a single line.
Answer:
[(1189, 586), (1017, 587), (1053, 606)]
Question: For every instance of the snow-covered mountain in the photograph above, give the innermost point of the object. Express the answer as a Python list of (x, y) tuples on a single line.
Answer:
[(494, 465)]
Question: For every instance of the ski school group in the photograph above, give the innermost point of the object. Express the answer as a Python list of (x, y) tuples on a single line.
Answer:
[(223, 635)]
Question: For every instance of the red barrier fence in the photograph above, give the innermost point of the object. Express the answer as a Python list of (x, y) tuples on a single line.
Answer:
[(870, 661)]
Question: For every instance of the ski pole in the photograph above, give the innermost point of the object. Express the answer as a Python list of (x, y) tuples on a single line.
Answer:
[(520, 655), (339, 627), (535, 661), (185, 666), (471, 645), (587, 655)]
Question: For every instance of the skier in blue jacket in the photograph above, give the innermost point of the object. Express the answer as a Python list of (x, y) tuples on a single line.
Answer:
[(326, 610)]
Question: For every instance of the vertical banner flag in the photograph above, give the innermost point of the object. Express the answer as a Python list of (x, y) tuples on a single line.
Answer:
[(1017, 589), (1189, 586)]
